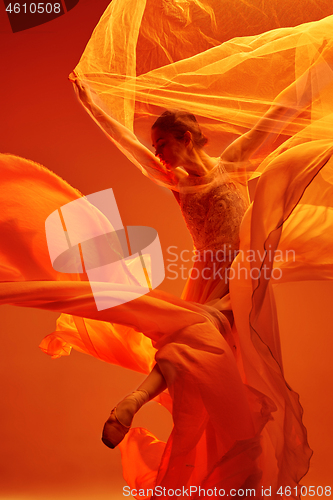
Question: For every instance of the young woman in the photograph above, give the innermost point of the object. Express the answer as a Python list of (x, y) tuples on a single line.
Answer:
[(212, 203), (212, 196)]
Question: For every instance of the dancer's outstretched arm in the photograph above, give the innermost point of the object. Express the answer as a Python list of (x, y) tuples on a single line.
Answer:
[(288, 104), (125, 138)]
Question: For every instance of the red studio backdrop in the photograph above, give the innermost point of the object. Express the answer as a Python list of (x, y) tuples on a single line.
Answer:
[(52, 411)]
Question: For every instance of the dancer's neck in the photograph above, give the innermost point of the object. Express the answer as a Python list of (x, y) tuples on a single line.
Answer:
[(199, 163)]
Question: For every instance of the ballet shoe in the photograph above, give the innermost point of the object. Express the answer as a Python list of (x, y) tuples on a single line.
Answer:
[(114, 431)]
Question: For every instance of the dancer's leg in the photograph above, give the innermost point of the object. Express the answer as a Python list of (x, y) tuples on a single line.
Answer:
[(119, 422), (152, 386)]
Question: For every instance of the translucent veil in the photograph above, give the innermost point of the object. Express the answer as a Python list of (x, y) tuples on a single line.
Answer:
[(150, 55)]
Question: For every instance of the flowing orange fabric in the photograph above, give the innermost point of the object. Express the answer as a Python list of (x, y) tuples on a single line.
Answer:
[(186, 336), (237, 424), (245, 431), (295, 195)]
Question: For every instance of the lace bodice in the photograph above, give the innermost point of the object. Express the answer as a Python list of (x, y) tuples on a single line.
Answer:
[(213, 208)]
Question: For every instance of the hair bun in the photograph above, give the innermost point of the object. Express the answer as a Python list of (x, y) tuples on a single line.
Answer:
[(179, 122)]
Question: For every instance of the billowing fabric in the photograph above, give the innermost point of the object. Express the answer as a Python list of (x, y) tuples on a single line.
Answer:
[(237, 423), (244, 432), (295, 195), (146, 56)]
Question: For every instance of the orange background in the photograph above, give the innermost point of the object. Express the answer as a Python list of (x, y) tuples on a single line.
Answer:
[(52, 412)]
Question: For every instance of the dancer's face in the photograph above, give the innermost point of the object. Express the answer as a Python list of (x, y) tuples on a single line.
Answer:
[(170, 151)]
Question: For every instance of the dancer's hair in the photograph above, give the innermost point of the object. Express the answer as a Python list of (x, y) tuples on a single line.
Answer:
[(178, 123)]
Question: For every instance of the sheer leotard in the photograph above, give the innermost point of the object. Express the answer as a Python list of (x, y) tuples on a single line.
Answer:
[(213, 208)]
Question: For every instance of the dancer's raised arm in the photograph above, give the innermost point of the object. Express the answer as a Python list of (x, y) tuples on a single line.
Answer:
[(287, 105), (128, 142)]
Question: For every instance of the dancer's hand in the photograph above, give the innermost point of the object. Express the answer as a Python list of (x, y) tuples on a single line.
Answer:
[(82, 92), (72, 77)]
